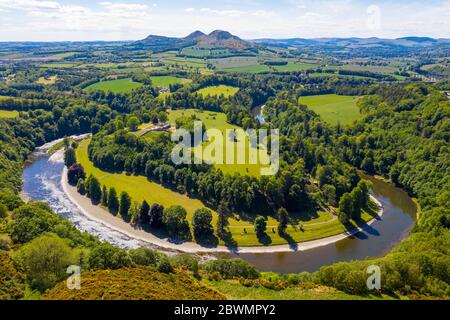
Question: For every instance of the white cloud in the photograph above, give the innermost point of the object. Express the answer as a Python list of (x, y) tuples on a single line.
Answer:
[(29, 4), (124, 6), (228, 13), (189, 9)]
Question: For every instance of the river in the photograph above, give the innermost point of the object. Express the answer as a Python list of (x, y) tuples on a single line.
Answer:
[(42, 181)]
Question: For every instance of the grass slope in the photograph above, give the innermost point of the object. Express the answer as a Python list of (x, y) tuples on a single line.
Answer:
[(333, 108), (116, 86), (134, 284)]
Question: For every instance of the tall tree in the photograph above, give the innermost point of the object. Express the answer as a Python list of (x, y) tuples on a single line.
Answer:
[(156, 215), (69, 157), (283, 220), (345, 208), (201, 223), (113, 201), (95, 191), (222, 219), (104, 196), (125, 204), (144, 213)]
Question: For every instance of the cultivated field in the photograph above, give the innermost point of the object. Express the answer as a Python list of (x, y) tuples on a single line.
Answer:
[(227, 91), (166, 81), (333, 108), (116, 86)]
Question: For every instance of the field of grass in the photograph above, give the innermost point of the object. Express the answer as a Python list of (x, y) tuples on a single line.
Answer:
[(233, 290), (333, 108), (116, 86), (249, 69), (234, 62), (292, 67), (166, 81), (8, 114), (217, 120), (227, 91), (47, 81)]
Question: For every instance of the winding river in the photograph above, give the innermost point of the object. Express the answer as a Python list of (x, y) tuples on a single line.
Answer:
[(42, 181)]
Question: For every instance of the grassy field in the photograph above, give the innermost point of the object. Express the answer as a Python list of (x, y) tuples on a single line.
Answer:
[(116, 86), (233, 290), (8, 114), (333, 108), (227, 91), (234, 62), (217, 120), (249, 69), (166, 81), (292, 67), (47, 81)]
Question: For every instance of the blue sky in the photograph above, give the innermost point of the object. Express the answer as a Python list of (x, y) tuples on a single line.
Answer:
[(55, 20)]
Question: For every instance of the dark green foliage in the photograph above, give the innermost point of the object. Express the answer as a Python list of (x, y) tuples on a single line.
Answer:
[(232, 268), (282, 221), (75, 173), (69, 157), (113, 201), (156, 216), (104, 200), (95, 191), (144, 213), (260, 225), (144, 257), (174, 219), (125, 204), (106, 256), (201, 224)]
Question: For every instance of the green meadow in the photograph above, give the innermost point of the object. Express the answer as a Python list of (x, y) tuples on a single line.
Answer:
[(227, 91), (333, 108), (166, 81), (8, 114), (116, 86)]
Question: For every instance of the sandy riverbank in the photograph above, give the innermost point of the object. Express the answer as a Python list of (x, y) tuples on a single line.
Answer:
[(101, 215)]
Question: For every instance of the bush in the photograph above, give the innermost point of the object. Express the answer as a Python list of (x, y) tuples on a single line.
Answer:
[(106, 256), (164, 265), (45, 260), (143, 257), (187, 262), (232, 268), (174, 219)]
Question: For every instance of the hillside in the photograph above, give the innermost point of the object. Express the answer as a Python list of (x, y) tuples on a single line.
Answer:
[(216, 39), (134, 284)]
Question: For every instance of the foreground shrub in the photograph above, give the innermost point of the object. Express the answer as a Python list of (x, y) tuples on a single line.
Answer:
[(232, 268)]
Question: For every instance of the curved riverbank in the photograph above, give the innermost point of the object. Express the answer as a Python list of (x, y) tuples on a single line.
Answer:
[(103, 216)]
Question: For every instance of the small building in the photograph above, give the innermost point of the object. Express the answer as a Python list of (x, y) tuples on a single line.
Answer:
[(448, 95), (163, 90)]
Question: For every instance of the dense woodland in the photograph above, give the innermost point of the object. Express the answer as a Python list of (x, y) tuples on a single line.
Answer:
[(403, 136)]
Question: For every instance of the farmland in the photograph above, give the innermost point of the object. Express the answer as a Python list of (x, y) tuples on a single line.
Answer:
[(333, 108), (8, 114), (224, 90), (166, 81), (116, 86)]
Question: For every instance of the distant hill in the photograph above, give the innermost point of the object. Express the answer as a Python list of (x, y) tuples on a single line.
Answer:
[(216, 39), (352, 42)]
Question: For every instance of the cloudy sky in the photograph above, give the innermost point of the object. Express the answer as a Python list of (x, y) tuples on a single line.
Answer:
[(55, 20)]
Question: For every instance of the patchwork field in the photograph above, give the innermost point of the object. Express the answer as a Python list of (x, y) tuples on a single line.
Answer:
[(116, 86), (166, 81), (227, 91), (47, 81), (333, 108), (234, 62), (249, 69)]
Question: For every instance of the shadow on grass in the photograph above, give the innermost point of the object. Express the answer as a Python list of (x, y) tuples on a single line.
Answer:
[(230, 243), (291, 242), (207, 241)]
